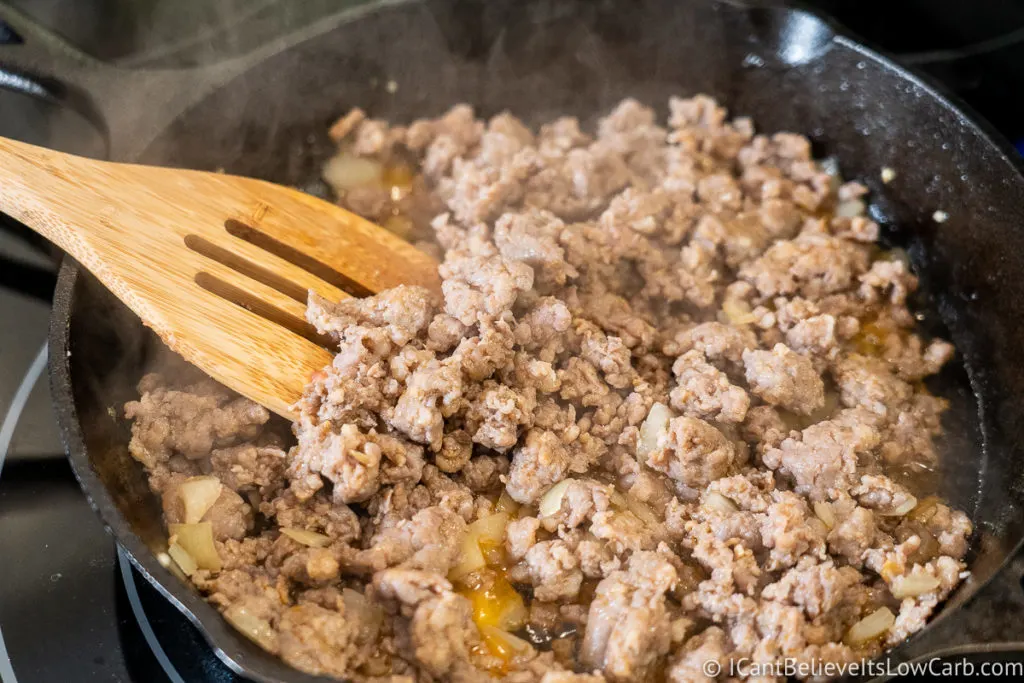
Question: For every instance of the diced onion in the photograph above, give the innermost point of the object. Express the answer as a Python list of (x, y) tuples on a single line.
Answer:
[(925, 510), (182, 559), (198, 494), (363, 458), (652, 428), (486, 532), (900, 510), (471, 559), (503, 644), (737, 312), (254, 628), (716, 501), (850, 208), (305, 537), (551, 502), (506, 504), (197, 541), (490, 529), (345, 172), (825, 513), (870, 627), (913, 585)]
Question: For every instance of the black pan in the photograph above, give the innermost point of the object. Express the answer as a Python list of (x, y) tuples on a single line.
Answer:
[(265, 115)]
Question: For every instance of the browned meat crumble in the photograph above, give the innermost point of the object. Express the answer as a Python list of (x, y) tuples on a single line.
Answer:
[(663, 415)]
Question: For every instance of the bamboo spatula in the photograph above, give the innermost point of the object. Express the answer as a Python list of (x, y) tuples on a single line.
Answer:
[(218, 266)]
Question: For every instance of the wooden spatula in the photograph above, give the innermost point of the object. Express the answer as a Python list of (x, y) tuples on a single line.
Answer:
[(219, 266)]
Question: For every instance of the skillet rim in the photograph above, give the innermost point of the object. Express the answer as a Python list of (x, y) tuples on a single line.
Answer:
[(213, 627), (230, 646)]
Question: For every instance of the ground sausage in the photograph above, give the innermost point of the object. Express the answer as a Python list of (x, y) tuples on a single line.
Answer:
[(660, 414)]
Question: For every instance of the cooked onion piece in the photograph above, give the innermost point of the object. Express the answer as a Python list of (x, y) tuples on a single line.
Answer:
[(490, 537), (310, 538), (825, 513), (874, 625), (345, 171), (254, 628), (850, 208), (198, 494), (716, 501), (471, 559), (506, 504), (899, 511), (736, 312), (912, 585), (490, 529), (503, 644), (926, 509), (182, 559), (487, 534), (652, 428), (551, 502), (197, 541)]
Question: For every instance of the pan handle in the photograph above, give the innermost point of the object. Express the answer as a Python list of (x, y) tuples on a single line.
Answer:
[(40, 64), (29, 53), (130, 107)]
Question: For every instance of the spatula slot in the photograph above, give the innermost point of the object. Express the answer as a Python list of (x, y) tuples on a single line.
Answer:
[(245, 267), (249, 302), (295, 257)]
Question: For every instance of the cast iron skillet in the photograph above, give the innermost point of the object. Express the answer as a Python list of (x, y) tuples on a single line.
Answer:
[(265, 115)]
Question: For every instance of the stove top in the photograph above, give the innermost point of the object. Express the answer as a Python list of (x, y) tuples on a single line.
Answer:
[(71, 606)]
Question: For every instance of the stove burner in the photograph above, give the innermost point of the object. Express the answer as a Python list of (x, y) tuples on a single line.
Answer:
[(149, 638), (18, 403), (173, 641), (128, 577), (6, 435)]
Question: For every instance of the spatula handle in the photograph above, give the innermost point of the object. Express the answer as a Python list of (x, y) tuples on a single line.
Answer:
[(46, 190)]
